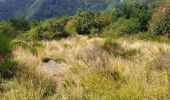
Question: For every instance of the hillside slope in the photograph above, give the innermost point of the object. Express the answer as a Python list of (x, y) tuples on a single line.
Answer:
[(84, 68), (42, 9)]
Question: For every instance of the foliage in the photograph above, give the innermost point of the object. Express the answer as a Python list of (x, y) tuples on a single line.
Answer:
[(8, 68), (84, 23), (7, 30), (90, 23), (34, 23), (142, 12), (50, 29), (4, 45), (126, 26), (20, 23), (160, 23)]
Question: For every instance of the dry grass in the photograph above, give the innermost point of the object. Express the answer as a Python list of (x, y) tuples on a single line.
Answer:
[(92, 73)]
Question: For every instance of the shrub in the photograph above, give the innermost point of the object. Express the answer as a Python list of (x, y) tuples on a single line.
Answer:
[(124, 11), (34, 23), (111, 46), (142, 12), (4, 45), (50, 29), (20, 23), (144, 15), (103, 20), (8, 30), (90, 23), (8, 68), (127, 26), (70, 26), (84, 22), (160, 23)]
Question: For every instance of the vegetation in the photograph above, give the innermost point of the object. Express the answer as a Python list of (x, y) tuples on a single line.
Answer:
[(160, 22), (43, 9), (118, 54), (50, 29)]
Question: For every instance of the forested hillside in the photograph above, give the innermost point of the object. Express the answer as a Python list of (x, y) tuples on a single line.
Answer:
[(42, 9)]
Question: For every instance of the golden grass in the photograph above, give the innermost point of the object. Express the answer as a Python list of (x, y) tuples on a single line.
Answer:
[(92, 73)]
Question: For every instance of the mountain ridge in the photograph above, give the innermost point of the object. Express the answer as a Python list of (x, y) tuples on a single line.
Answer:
[(43, 9)]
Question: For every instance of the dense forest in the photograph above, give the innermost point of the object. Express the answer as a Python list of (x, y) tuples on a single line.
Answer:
[(121, 53)]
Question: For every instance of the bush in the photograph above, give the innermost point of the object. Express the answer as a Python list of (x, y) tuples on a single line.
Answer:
[(50, 29), (103, 20), (8, 30), (160, 23), (84, 22), (142, 12), (20, 23), (8, 68), (127, 26), (90, 23), (4, 45)]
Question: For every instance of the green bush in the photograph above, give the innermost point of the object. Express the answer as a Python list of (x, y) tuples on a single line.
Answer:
[(142, 12), (4, 45), (90, 23), (20, 23), (84, 22), (50, 29), (8, 68), (103, 20), (8, 30), (126, 26)]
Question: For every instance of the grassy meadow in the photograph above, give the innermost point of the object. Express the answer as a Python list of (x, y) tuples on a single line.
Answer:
[(117, 55)]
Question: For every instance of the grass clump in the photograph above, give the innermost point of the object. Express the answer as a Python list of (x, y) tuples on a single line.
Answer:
[(114, 48), (8, 68), (111, 46), (28, 84)]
